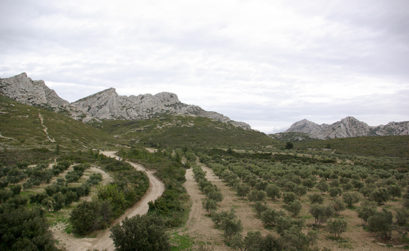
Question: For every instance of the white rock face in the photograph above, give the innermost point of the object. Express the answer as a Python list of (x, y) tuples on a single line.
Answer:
[(24, 90), (348, 127), (106, 104)]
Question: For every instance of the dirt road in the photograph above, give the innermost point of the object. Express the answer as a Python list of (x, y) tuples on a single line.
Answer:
[(102, 241), (199, 226)]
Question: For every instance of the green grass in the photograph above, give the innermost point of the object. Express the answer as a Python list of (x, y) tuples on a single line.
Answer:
[(20, 127), (180, 131), (181, 242)]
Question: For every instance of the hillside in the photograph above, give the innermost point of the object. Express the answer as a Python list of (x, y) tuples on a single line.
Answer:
[(383, 146), (348, 127), (24, 126), (180, 131)]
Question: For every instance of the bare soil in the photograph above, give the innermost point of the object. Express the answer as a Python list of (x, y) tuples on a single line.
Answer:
[(199, 226), (242, 208), (102, 241)]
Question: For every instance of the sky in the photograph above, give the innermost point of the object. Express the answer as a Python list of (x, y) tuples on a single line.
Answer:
[(265, 62)]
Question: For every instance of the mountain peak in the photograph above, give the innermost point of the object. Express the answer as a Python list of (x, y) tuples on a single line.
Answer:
[(347, 127), (24, 90)]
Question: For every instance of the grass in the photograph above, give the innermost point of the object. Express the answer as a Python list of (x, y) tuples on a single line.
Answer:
[(20, 127), (181, 242), (181, 131)]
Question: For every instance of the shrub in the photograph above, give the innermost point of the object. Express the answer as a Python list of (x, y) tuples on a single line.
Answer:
[(140, 233), (336, 227), (381, 223), (316, 198)]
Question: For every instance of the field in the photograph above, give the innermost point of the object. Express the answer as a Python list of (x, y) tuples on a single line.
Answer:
[(200, 184)]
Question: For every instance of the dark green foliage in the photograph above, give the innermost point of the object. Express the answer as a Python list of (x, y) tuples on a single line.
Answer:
[(289, 145), (260, 208), (253, 241), (91, 216), (24, 229), (172, 205), (380, 195), (273, 191), (338, 205), (316, 198), (402, 216), (381, 223), (321, 213), (337, 227), (366, 210), (289, 197), (293, 207), (228, 222), (350, 198), (140, 233), (294, 239), (391, 146)]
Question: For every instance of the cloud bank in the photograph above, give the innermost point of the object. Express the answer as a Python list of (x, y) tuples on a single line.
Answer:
[(268, 63)]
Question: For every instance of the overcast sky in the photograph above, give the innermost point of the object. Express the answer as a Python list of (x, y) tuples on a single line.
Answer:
[(268, 63)]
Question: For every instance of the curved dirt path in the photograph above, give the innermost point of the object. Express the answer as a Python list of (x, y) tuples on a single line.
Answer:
[(102, 241)]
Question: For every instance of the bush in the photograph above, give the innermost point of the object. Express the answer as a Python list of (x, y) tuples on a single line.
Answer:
[(293, 207), (381, 223), (321, 213), (366, 210), (289, 197), (316, 198), (273, 191), (140, 233), (350, 198), (337, 227)]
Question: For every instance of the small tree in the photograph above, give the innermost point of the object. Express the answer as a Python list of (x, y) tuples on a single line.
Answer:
[(321, 213), (381, 223), (293, 207), (273, 191), (209, 204), (336, 227), (253, 241), (316, 198), (350, 198), (366, 210), (289, 145), (338, 205), (140, 233), (289, 197)]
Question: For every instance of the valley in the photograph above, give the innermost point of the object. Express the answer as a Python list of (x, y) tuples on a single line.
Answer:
[(191, 182)]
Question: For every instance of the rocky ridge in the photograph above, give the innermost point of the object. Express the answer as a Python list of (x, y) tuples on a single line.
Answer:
[(106, 104), (348, 127)]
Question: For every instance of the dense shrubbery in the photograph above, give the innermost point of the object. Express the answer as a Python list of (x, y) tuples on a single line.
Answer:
[(112, 199), (172, 205), (140, 233)]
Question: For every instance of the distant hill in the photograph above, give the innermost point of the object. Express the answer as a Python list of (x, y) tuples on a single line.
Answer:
[(181, 131), (348, 127), (390, 146), (106, 104)]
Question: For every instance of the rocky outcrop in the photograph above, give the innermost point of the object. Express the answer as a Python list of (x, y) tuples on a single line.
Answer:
[(348, 127), (24, 90), (106, 104)]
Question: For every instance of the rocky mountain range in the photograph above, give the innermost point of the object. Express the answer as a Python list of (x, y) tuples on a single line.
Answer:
[(106, 104), (348, 127)]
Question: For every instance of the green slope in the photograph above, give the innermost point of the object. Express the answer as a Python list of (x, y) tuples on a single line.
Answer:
[(180, 131), (21, 127), (378, 146)]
